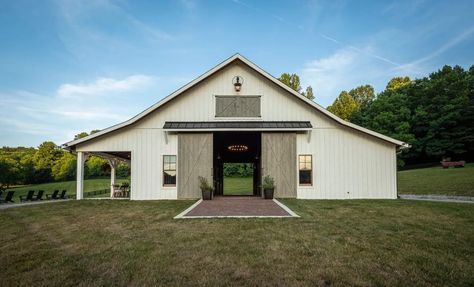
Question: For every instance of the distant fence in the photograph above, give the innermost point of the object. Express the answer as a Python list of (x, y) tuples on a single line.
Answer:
[(92, 193)]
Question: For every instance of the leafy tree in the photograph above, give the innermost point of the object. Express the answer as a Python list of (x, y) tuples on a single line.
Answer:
[(389, 115), (308, 93), (238, 169), (65, 167), (44, 159), (9, 172), (344, 106), (27, 167), (123, 170), (363, 95), (443, 106), (293, 81), (96, 166), (398, 83), (80, 135)]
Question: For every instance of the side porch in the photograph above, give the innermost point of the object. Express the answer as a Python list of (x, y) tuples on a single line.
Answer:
[(113, 158)]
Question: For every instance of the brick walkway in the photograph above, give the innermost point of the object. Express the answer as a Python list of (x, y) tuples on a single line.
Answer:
[(237, 206)]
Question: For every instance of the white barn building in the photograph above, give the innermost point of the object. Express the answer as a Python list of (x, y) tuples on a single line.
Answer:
[(237, 112)]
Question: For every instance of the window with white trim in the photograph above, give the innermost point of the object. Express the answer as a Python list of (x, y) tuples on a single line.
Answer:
[(305, 167), (169, 170)]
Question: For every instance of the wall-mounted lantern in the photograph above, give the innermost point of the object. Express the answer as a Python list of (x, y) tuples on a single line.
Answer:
[(237, 81)]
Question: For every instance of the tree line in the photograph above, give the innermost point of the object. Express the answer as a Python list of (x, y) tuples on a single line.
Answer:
[(47, 163), (434, 114)]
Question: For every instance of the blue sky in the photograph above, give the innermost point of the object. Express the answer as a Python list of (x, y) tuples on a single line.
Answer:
[(71, 66)]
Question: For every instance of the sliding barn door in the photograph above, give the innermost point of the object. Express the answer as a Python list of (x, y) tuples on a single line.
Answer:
[(194, 159), (279, 161)]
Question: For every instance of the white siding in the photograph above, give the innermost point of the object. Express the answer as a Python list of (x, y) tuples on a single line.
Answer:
[(147, 147), (346, 163)]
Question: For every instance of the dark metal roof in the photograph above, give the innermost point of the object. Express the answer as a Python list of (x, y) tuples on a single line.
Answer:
[(237, 125)]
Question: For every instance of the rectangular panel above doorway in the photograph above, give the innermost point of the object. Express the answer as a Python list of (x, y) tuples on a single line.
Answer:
[(238, 106)]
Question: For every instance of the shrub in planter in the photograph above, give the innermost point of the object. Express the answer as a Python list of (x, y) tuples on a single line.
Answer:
[(268, 187), (206, 189)]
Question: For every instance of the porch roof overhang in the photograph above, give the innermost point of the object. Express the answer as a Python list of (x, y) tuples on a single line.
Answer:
[(238, 126)]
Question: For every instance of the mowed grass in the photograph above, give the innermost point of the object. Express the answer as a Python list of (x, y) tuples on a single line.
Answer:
[(69, 186), (358, 242), (238, 186), (438, 181)]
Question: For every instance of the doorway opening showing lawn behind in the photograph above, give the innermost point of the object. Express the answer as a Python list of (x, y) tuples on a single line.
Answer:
[(238, 178), (237, 163)]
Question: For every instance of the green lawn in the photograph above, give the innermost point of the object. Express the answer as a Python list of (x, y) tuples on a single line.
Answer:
[(436, 180), (70, 186), (358, 242), (238, 186)]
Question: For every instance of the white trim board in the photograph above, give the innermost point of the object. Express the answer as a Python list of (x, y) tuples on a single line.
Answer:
[(291, 213), (188, 209), (286, 208)]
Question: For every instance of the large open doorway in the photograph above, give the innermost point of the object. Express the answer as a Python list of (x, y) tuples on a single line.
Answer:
[(238, 178), (237, 150)]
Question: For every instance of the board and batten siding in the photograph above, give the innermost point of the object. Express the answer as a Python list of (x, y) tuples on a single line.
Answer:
[(147, 147), (348, 165)]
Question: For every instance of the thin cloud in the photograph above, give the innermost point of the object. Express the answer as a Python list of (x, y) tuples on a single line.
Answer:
[(345, 69), (414, 65), (362, 51), (329, 75), (103, 86)]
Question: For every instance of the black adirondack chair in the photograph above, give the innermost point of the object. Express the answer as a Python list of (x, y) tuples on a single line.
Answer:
[(8, 197), (28, 197), (54, 195), (63, 194), (39, 196)]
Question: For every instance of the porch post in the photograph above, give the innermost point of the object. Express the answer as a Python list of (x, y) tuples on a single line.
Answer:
[(81, 158), (113, 165)]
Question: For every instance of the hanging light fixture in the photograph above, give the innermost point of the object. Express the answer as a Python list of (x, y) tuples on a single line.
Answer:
[(238, 148), (237, 81)]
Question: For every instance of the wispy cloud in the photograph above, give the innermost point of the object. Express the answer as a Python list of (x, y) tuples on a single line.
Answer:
[(74, 107), (330, 74), (414, 65), (345, 69), (86, 28), (362, 51), (103, 86)]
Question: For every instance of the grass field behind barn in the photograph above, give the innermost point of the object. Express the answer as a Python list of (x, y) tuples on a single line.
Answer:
[(138, 243), (436, 180), (238, 185)]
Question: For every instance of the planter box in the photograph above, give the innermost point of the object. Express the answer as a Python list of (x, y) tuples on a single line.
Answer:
[(268, 193), (207, 195)]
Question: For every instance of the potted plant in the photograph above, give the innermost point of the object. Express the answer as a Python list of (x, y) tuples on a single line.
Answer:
[(268, 187), (206, 189)]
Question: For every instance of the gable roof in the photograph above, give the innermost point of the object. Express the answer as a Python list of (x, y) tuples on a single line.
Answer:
[(237, 56)]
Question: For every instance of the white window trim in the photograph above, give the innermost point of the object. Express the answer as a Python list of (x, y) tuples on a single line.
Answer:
[(163, 186)]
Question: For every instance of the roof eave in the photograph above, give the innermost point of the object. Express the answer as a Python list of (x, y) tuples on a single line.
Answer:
[(212, 71)]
